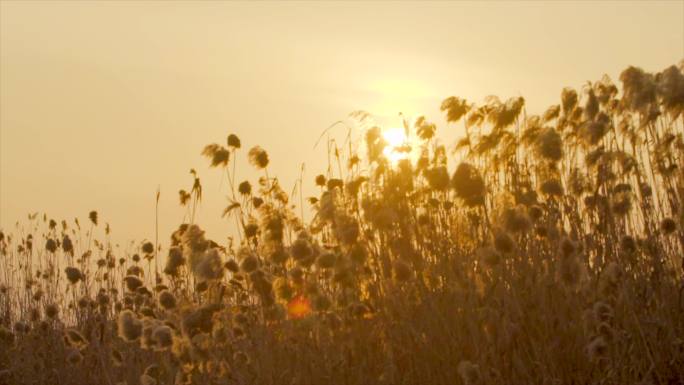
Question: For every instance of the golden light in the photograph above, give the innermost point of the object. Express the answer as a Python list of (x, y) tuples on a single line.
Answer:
[(398, 145), (399, 92)]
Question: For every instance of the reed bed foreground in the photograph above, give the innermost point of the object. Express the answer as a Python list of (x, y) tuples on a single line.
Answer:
[(539, 249)]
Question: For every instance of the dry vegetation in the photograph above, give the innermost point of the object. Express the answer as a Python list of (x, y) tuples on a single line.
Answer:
[(542, 249)]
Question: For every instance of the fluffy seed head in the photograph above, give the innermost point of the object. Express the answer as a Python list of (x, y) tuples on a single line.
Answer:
[(301, 249), (163, 337), (51, 310), (549, 145), (210, 267), (279, 256), (129, 326), (249, 264), (245, 188), (516, 219), (455, 108), (93, 217), (232, 266), (258, 157), (199, 320), (468, 184), (174, 261), (167, 300), (132, 282), (51, 245), (568, 100), (217, 154), (67, 246), (233, 141), (668, 226), (438, 178), (73, 274)]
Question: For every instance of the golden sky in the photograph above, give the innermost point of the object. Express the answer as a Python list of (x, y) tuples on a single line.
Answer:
[(101, 102)]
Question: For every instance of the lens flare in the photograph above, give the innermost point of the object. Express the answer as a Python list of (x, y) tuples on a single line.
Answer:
[(299, 307)]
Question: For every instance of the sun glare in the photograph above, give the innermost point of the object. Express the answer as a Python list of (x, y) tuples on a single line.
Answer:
[(399, 146)]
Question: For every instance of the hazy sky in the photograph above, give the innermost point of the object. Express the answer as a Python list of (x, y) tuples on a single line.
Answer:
[(101, 102)]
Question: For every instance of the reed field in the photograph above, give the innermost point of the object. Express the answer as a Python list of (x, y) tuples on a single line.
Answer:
[(537, 249)]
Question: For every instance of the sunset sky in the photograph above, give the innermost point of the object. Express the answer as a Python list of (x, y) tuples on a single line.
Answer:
[(101, 102)]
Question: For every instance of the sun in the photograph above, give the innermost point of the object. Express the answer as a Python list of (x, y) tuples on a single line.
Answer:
[(399, 146)]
